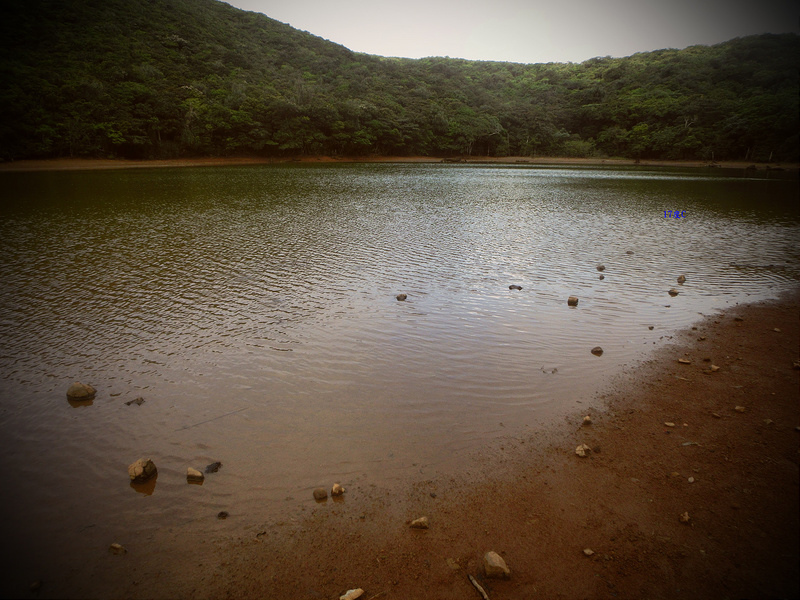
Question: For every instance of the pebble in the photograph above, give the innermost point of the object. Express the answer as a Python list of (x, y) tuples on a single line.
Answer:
[(597, 351), (421, 523), (629, 252), (684, 361), (81, 391), (685, 518), (142, 470), (651, 328), (572, 301), (681, 278), (714, 368), (515, 287), (401, 297), (691, 479), (673, 292), (352, 594), (320, 494), (494, 566), (213, 467), (776, 330), (587, 420), (740, 409), (601, 268), (453, 564), (669, 424), (117, 549), (222, 514), (588, 551), (337, 490), (602, 277), (194, 475), (583, 450), (138, 401)]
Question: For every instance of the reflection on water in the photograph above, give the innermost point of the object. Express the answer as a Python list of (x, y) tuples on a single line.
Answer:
[(254, 309)]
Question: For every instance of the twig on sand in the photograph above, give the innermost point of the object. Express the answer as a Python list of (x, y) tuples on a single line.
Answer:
[(212, 419), (479, 588)]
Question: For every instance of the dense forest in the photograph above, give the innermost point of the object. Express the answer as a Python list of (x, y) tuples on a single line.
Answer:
[(171, 78)]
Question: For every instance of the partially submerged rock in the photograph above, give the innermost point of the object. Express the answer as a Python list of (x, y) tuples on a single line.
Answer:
[(81, 391), (320, 494), (572, 301), (494, 566), (142, 470)]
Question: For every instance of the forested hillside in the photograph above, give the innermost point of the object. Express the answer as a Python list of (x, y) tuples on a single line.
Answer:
[(169, 78)]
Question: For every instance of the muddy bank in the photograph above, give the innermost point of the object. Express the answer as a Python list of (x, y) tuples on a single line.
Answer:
[(76, 164), (540, 506)]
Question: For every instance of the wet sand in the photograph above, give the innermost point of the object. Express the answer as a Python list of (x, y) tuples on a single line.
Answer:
[(75, 164), (539, 505)]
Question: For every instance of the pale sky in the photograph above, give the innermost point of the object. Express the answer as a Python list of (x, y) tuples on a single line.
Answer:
[(528, 31)]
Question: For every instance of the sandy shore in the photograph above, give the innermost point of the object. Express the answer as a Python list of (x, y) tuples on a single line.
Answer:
[(76, 164), (667, 439)]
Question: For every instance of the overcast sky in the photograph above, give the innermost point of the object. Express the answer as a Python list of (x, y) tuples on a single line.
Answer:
[(528, 31)]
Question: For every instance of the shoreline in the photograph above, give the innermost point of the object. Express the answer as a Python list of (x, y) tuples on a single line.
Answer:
[(86, 164), (666, 439)]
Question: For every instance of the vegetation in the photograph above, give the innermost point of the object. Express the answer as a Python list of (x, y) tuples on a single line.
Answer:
[(169, 78)]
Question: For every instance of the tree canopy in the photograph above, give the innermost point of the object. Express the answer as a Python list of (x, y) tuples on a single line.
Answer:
[(170, 78)]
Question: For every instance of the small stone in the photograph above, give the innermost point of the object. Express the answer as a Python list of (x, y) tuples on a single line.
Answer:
[(681, 278), (583, 450), (691, 479), (352, 594), (194, 475), (714, 368), (138, 401), (587, 420), (421, 523), (684, 518), (669, 424), (337, 490), (777, 330), (117, 549), (650, 328), (588, 551), (601, 268), (401, 297), (602, 277), (674, 474), (453, 564), (572, 301), (684, 361), (213, 467), (515, 287), (629, 252), (81, 391), (597, 351), (142, 470), (223, 514), (494, 566), (673, 292), (740, 409), (320, 494), (738, 319), (768, 421)]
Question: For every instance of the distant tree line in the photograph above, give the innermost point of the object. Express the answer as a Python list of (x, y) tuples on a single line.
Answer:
[(171, 78)]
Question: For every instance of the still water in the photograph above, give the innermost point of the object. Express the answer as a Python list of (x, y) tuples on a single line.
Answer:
[(254, 310)]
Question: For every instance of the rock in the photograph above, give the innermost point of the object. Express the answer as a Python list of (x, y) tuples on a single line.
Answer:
[(740, 409), (401, 297), (714, 368), (421, 523), (669, 424), (352, 594), (673, 292), (337, 490), (194, 475), (223, 514), (681, 278), (691, 479), (515, 287), (138, 401), (629, 252), (117, 549), (142, 470), (572, 301), (777, 330), (601, 268), (651, 328), (81, 391), (320, 494), (597, 351), (602, 277), (588, 551), (213, 467), (684, 518), (587, 420), (494, 566), (684, 361), (453, 564), (583, 450)]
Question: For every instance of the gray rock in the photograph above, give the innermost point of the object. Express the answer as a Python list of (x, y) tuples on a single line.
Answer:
[(81, 391), (142, 470), (494, 566), (320, 494)]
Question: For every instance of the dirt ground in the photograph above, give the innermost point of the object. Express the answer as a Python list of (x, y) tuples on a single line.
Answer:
[(669, 441), (77, 164)]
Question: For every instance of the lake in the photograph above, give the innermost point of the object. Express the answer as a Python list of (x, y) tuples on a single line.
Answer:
[(254, 310)]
